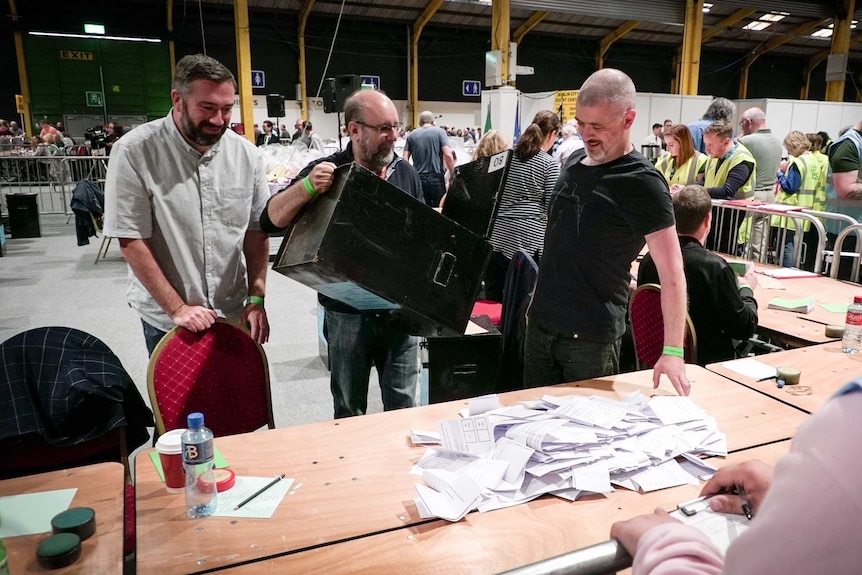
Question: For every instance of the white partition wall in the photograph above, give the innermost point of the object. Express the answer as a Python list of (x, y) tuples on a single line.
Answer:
[(784, 116)]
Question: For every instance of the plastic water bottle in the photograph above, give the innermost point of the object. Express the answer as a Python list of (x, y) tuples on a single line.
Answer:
[(197, 443), (4, 560), (853, 327)]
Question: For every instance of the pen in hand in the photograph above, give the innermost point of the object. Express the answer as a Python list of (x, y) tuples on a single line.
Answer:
[(746, 504), (264, 488)]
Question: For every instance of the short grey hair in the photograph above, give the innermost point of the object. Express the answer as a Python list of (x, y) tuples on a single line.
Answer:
[(608, 85), (568, 130), (720, 109), (200, 67), (426, 117)]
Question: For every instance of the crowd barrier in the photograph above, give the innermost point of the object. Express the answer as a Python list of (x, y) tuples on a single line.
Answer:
[(734, 225), (53, 178)]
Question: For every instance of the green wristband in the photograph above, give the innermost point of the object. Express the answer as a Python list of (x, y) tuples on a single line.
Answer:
[(674, 351), (309, 187), (255, 299)]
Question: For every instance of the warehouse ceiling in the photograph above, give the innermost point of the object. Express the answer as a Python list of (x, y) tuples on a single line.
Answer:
[(800, 28)]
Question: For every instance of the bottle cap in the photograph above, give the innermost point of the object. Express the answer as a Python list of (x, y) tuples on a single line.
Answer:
[(857, 299), (195, 420)]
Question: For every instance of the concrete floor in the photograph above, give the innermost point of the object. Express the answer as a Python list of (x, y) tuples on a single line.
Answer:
[(52, 281)]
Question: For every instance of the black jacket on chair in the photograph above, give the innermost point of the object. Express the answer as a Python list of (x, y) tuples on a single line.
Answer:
[(87, 199)]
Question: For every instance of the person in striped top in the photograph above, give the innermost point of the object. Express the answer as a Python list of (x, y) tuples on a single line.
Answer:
[(523, 211)]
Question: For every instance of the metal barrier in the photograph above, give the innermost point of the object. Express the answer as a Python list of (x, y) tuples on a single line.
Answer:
[(53, 178), (729, 218), (839, 247), (600, 559)]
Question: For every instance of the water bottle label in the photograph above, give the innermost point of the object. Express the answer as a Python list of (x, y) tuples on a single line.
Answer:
[(196, 453), (854, 318)]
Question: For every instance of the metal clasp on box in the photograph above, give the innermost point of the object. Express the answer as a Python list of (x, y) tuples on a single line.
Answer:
[(445, 267)]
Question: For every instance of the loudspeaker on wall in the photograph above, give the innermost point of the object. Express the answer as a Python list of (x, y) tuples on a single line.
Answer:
[(275, 105)]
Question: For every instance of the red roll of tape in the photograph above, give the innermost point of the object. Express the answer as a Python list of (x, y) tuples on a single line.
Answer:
[(224, 480)]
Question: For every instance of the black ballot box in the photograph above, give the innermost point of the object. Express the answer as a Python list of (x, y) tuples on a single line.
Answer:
[(368, 244), (463, 366), (23, 215)]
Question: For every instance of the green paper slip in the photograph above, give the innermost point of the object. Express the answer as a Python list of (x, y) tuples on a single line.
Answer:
[(31, 513), (220, 462), (834, 307)]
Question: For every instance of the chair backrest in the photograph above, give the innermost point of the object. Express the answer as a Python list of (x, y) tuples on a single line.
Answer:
[(221, 372), (647, 325)]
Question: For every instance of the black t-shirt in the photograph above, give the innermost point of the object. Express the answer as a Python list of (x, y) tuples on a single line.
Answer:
[(597, 221)]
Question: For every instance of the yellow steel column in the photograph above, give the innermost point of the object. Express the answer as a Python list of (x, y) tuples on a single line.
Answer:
[(840, 45), (500, 34), (691, 44), (171, 53), (22, 74), (243, 66), (608, 40), (418, 26), (531, 22), (303, 83)]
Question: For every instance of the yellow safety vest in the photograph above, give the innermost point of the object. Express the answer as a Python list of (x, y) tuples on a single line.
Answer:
[(685, 174), (820, 193), (716, 175), (809, 169)]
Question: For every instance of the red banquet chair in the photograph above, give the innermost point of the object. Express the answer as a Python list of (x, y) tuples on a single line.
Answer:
[(220, 372), (648, 327)]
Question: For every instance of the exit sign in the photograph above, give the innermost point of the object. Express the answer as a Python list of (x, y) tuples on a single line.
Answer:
[(94, 99), (75, 55)]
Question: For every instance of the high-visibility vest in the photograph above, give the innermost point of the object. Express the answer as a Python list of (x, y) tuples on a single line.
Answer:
[(716, 175), (820, 193), (833, 203), (685, 174), (809, 169)]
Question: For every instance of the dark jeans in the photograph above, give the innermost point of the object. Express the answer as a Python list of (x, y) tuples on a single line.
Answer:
[(358, 341), (152, 336), (552, 358), (433, 188)]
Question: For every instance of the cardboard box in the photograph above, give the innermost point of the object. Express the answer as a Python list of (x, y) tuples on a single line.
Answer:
[(372, 246)]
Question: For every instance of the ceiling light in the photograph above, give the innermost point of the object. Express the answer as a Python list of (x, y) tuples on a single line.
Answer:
[(90, 37)]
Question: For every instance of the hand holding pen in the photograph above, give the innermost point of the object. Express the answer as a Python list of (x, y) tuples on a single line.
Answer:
[(739, 488)]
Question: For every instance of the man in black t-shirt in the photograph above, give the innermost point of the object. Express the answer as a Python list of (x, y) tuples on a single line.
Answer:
[(844, 189), (609, 198)]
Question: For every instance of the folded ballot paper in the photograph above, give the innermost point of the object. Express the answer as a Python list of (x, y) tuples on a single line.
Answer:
[(563, 446)]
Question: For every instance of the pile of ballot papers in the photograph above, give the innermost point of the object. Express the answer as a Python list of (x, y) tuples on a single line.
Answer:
[(563, 446)]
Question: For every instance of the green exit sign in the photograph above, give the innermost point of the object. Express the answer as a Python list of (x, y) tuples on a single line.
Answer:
[(94, 99)]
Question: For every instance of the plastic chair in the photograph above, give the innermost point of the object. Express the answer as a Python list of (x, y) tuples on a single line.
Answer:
[(648, 327), (220, 372)]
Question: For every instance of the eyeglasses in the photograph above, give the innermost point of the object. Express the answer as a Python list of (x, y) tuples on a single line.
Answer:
[(382, 129)]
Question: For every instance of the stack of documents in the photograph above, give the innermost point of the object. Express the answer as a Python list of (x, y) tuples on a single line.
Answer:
[(564, 446)]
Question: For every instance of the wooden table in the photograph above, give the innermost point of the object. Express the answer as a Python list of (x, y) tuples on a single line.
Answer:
[(825, 369), (788, 326), (484, 543), (354, 474), (100, 487)]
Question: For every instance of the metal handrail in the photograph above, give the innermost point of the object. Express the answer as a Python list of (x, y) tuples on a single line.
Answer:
[(600, 559), (796, 215), (839, 249)]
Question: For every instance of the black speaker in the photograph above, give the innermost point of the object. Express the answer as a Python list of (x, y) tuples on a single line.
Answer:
[(329, 96), (275, 105), (344, 87)]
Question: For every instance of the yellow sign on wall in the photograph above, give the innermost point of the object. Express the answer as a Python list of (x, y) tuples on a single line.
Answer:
[(568, 100), (19, 103), (76, 55)]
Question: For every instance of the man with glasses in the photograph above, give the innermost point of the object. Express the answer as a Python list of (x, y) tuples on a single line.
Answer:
[(608, 200), (429, 147), (359, 339)]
